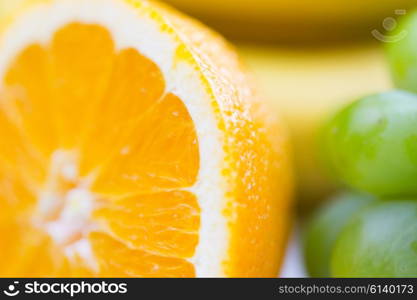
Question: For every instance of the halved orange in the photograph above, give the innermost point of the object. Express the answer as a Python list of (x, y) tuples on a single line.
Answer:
[(132, 144)]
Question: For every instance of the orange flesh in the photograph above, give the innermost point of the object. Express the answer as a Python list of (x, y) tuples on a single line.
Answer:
[(78, 117)]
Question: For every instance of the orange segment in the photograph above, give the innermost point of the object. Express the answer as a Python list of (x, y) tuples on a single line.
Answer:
[(80, 76), (117, 260), (161, 155), (27, 247), (27, 94), (17, 157), (15, 196), (165, 223), (135, 87)]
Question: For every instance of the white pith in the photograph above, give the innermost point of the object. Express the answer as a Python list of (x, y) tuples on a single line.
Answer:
[(65, 214), (135, 29)]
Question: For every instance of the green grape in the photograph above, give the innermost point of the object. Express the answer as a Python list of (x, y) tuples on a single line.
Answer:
[(325, 226), (372, 144), (380, 241), (402, 53)]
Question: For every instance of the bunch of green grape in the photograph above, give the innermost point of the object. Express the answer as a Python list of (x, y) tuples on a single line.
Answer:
[(371, 146)]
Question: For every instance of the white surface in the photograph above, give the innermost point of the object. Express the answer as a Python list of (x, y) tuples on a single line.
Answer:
[(294, 263)]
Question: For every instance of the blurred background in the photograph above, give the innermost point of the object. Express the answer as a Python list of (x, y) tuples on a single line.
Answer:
[(310, 57)]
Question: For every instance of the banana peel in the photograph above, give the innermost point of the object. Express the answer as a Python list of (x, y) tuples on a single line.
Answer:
[(295, 21)]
